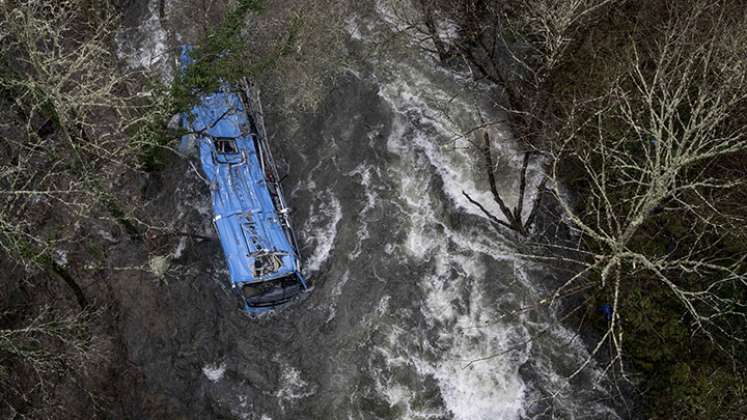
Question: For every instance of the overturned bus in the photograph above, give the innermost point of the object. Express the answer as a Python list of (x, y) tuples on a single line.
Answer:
[(250, 214)]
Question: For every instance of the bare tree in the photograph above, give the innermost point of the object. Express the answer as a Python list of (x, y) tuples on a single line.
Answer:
[(66, 70), (75, 104), (643, 150), (42, 352), (32, 343), (306, 40), (516, 44), (67, 108)]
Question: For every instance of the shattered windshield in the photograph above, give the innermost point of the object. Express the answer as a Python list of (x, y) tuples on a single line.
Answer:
[(271, 292)]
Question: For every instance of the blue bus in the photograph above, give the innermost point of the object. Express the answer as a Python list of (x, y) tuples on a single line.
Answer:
[(250, 214)]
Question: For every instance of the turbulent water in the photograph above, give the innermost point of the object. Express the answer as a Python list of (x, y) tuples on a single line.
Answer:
[(411, 284)]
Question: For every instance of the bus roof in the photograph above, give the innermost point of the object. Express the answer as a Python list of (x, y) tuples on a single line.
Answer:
[(251, 231)]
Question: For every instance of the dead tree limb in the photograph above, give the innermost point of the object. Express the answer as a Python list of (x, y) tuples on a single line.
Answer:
[(491, 179), (513, 218), (493, 219)]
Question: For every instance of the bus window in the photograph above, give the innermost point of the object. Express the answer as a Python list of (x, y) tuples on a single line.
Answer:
[(226, 145)]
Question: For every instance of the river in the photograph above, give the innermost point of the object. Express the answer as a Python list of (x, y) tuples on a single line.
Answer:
[(411, 283)]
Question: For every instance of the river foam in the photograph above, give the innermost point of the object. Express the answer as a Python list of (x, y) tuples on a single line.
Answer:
[(320, 229), (458, 329)]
